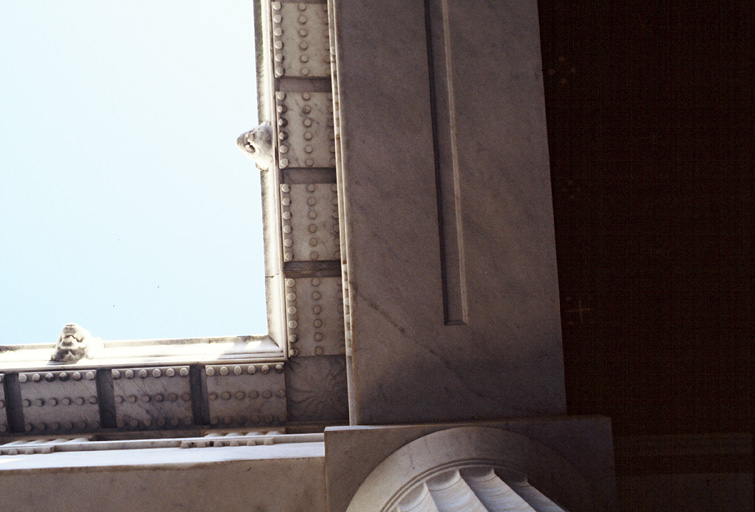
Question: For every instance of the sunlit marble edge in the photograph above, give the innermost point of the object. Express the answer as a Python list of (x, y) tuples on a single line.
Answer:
[(148, 352), (158, 457)]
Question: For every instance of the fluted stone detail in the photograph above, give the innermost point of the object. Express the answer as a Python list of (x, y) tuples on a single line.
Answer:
[(476, 489)]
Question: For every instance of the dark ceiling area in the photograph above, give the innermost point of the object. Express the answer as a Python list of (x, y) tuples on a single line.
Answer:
[(650, 132)]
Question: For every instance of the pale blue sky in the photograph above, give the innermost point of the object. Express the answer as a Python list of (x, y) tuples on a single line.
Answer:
[(125, 205)]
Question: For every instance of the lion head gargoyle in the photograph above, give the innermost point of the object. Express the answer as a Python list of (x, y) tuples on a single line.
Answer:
[(257, 144), (74, 344)]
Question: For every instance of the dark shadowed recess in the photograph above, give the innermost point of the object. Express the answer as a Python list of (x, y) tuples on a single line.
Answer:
[(649, 123)]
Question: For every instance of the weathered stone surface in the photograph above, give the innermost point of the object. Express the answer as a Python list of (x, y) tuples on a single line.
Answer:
[(241, 395), (454, 312), (316, 389), (354, 452), (152, 398), (59, 401)]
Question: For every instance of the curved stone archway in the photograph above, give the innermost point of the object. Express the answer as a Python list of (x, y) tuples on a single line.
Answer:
[(475, 469)]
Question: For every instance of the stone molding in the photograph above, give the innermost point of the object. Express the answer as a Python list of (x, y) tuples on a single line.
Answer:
[(532, 470)]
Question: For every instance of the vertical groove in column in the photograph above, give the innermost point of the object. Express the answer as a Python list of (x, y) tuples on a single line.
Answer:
[(200, 406), (493, 492), (106, 398), (437, 26), (13, 405)]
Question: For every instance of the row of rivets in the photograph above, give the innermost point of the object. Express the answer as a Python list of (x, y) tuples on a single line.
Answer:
[(51, 376), (79, 400), (241, 395), (297, 40), (160, 422), (243, 420), (159, 397), (228, 420), (317, 310), (305, 130), (288, 241), (239, 370), (63, 425), (291, 316), (156, 373)]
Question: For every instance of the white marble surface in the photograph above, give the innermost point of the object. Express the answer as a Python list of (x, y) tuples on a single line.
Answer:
[(499, 351), (585, 442), (262, 479), (165, 457)]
